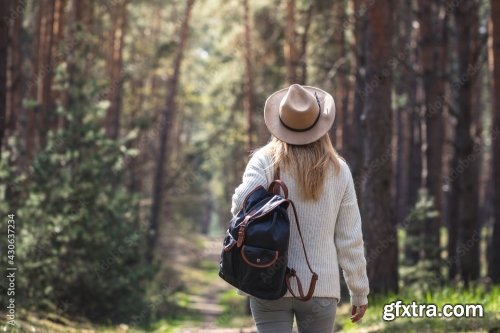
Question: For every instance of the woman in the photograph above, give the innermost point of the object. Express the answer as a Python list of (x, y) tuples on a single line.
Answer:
[(321, 185)]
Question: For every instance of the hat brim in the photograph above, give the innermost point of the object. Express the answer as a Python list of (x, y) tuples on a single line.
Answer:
[(325, 121)]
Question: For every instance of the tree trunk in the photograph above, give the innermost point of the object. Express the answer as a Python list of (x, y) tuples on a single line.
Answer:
[(115, 65), (57, 121), (165, 126), (432, 28), (494, 267), (465, 171), (14, 93), (290, 47), (80, 10), (338, 74), (412, 252), (31, 126), (409, 132), (248, 94), (303, 45), (354, 147), (46, 70), (378, 227), (4, 37), (346, 98)]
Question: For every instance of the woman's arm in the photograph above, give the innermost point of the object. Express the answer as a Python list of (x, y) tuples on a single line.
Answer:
[(349, 244), (256, 174)]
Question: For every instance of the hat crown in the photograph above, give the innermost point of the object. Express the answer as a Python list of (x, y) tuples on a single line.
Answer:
[(299, 115), (299, 109)]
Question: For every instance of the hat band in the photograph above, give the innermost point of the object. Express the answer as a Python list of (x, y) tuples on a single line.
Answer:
[(301, 129)]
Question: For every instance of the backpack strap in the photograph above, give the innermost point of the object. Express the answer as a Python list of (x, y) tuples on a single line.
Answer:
[(275, 188), (291, 273), (278, 184)]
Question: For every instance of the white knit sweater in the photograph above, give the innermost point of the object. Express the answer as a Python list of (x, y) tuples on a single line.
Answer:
[(331, 228)]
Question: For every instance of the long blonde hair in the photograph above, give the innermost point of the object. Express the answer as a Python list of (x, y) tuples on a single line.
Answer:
[(308, 163)]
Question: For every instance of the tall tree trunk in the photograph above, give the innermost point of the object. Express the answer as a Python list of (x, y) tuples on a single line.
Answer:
[(338, 74), (46, 71), (290, 47), (345, 72), (354, 147), (303, 45), (379, 229), (4, 37), (408, 173), (14, 93), (248, 95), (115, 65), (494, 267), (31, 126), (412, 252), (165, 126), (80, 10), (465, 172), (432, 28), (59, 28)]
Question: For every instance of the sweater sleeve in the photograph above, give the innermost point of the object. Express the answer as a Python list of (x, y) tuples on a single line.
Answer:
[(349, 244), (256, 173)]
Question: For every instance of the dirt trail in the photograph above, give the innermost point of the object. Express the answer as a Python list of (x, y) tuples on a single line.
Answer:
[(207, 301)]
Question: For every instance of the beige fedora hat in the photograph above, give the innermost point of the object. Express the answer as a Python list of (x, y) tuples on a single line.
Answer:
[(299, 114)]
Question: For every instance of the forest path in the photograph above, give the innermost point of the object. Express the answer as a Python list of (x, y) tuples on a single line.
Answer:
[(205, 296)]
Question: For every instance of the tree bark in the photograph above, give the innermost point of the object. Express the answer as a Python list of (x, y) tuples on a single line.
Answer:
[(46, 70), (303, 45), (494, 267), (248, 90), (115, 65), (432, 28), (345, 74), (14, 74), (31, 126), (408, 173), (165, 126), (378, 228), (353, 149), (4, 37), (465, 171), (412, 253), (290, 47), (56, 121)]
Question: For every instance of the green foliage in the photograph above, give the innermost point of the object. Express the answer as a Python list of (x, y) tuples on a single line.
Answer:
[(79, 242), (489, 297), (421, 273)]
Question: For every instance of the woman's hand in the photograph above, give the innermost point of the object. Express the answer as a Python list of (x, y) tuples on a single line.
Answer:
[(358, 312)]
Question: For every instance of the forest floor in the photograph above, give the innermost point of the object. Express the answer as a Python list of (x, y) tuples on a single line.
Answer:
[(208, 304), (220, 309)]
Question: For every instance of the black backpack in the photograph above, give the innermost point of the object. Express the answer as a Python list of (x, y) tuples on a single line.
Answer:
[(254, 258)]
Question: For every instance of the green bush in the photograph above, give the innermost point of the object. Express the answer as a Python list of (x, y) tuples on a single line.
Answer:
[(79, 240)]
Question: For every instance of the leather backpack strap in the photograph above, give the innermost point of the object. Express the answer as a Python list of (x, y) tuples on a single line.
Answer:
[(278, 184), (292, 272), (274, 187)]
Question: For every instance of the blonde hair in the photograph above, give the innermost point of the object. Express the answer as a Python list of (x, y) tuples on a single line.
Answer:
[(308, 163)]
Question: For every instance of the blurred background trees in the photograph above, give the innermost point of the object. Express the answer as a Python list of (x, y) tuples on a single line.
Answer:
[(123, 119)]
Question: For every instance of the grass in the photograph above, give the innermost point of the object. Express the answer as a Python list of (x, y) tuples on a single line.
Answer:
[(373, 321), (200, 275), (234, 315)]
